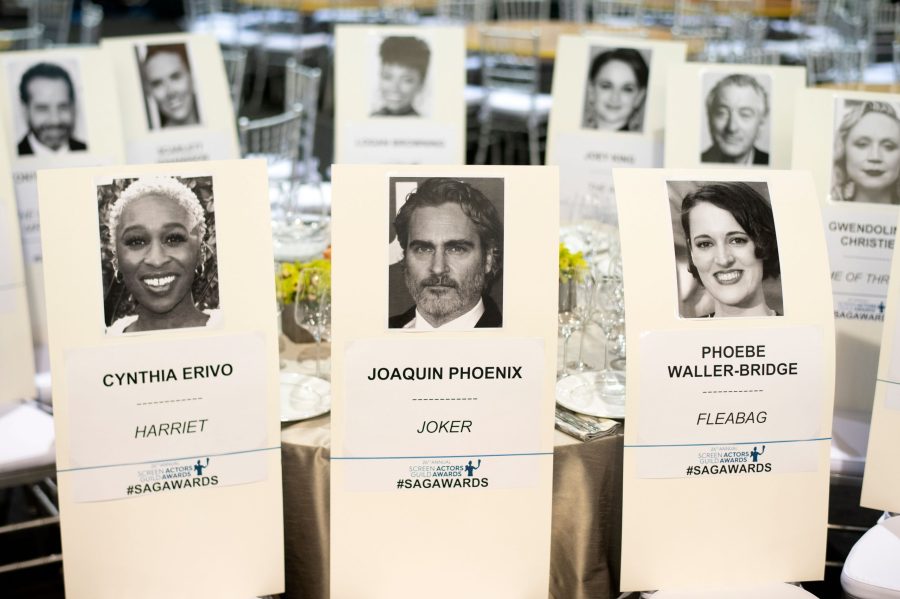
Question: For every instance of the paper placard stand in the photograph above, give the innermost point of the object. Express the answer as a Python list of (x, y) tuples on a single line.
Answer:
[(442, 441), (174, 97), (730, 379), (92, 137), (859, 234), (16, 355), (399, 93), (167, 429), (585, 147), (881, 484)]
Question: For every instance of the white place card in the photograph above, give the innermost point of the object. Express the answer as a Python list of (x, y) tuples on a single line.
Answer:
[(174, 96), (399, 95), (881, 485), (731, 115), (730, 377), (16, 355), (443, 379), (58, 112), (164, 362), (850, 142), (608, 112)]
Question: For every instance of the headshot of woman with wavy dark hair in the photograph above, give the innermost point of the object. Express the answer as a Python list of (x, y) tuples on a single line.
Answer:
[(729, 230)]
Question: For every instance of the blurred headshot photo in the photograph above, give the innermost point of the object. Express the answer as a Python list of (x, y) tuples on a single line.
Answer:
[(866, 163), (49, 107), (402, 75), (616, 89), (168, 85), (737, 114)]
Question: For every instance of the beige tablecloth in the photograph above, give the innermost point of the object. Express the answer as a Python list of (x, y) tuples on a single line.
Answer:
[(587, 513)]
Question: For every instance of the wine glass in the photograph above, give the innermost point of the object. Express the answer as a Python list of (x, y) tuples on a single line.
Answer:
[(312, 308), (575, 290)]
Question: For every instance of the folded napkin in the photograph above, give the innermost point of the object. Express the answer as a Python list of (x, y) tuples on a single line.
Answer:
[(585, 428)]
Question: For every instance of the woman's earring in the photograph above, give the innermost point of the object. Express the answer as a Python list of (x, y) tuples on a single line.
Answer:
[(202, 267), (848, 191), (117, 276)]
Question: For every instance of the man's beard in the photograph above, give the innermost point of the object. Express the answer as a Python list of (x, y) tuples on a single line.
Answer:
[(53, 136), (452, 298)]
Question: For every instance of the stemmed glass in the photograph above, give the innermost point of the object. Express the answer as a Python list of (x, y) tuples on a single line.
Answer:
[(609, 383), (312, 309), (576, 288)]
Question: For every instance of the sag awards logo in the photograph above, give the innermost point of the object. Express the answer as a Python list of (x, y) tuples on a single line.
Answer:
[(727, 459), (174, 475), (444, 474)]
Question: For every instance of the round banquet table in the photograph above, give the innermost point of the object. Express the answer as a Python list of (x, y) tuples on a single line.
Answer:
[(586, 528)]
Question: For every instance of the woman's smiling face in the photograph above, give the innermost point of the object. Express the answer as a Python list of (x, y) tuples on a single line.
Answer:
[(616, 94), (157, 251), (725, 257)]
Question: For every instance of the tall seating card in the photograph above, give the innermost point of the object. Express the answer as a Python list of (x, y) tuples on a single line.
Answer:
[(609, 99), (399, 94), (175, 98), (164, 361), (730, 115), (850, 141), (58, 111), (16, 356), (442, 387), (881, 481), (730, 378)]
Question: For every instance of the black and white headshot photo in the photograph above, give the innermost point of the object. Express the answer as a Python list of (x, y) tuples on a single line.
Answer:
[(736, 127), (726, 249), (866, 159), (49, 120), (450, 233), (616, 89), (402, 86), (158, 254), (170, 95)]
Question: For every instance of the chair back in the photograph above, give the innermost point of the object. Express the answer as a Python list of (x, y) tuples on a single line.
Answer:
[(510, 60), (464, 11), (523, 10), (91, 23), (197, 9), (29, 38), (55, 16), (235, 60), (276, 138), (619, 12), (694, 18), (301, 86), (835, 65), (574, 11)]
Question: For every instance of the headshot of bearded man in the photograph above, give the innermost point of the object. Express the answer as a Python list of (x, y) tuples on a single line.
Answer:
[(452, 239), (48, 103)]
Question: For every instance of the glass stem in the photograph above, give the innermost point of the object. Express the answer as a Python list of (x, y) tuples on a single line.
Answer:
[(318, 347), (565, 368), (579, 364)]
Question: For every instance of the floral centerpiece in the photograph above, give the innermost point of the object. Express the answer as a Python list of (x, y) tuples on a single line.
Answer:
[(288, 280)]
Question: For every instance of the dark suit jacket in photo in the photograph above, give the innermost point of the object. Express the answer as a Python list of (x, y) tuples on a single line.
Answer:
[(492, 317), (25, 148), (714, 154)]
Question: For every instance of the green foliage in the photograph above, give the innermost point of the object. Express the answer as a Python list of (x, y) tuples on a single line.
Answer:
[(571, 264), (288, 280)]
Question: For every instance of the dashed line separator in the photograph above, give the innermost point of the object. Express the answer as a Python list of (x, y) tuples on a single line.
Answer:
[(149, 403), (735, 391), (445, 399)]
